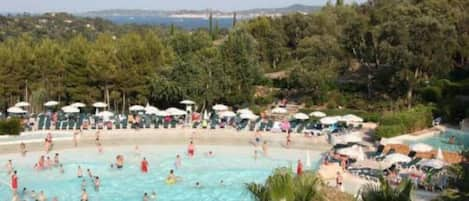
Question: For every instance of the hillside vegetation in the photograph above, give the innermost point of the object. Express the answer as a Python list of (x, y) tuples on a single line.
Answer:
[(383, 55)]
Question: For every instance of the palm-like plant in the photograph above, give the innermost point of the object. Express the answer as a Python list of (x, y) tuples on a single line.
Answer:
[(286, 186), (385, 192)]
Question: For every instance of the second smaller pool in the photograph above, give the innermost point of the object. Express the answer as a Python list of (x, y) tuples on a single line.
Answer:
[(442, 140)]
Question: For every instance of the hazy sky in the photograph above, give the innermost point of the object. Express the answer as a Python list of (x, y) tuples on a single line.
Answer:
[(88, 5)]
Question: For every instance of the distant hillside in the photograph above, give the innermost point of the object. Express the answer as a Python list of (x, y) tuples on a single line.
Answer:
[(202, 13), (53, 25)]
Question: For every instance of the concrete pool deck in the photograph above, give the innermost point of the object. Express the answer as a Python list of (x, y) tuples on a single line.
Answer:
[(165, 137)]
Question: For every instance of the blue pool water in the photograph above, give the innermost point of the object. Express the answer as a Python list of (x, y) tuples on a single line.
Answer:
[(234, 165), (441, 140)]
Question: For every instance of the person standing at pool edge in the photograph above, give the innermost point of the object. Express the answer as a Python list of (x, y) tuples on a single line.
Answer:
[(14, 181), (299, 168), (144, 165), (191, 149)]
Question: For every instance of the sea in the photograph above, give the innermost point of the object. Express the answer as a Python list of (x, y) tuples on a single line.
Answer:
[(185, 23)]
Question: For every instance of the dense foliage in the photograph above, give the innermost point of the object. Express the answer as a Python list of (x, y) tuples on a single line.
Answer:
[(383, 55), (397, 123), (386, 192), (10, 127), (283, 185)]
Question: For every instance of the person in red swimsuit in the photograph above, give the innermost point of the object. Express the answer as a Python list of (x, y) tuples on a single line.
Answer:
[(144, 165), (299, 168), (191, 149), (14, 181)]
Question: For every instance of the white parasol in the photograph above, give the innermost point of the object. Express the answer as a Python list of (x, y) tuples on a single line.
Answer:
[(248, 116), (105, 114), (439, 154), (16, 110), (433, 163), (220, 107), (162, 113), (243, 111), (279, 110), (78, 104), (99, 105), (22, 104), (227, 114), (397, 157), (70, 109), (330, 120), (421, 147), (51, 103), (301, 116), (151, 110), (175, 111), (136, 108), (187, 102), (351, 118), (317, 114)]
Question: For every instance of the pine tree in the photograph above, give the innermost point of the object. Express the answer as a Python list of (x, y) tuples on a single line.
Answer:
[(210, 24), (234, 19)]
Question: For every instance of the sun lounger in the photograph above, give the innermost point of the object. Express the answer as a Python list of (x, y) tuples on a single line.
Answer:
[(71, 124), (270, 125), (173, 123)]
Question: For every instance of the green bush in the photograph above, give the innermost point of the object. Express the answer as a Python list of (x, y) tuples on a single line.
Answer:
[(432, 94), (10, 127), (389, 130), (263, 100), (399, 123)]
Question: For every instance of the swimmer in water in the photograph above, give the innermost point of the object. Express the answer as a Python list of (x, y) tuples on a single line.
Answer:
[(49, 162), (14, 181), (61, 167), (33, 195), (23, 149), (145, 197), (137, 151), (451, 140), (15, 197), (41, 163), (89, 173), (144, 165), (56, 159), (153, 196), (42, 196), (178, 162), (79, 172), (97, 183), (84, 195), (265, 148), (172, 177), (83, 184), (222, 183), (198, 185), (119, 161), (257, 138), (100, 147), (210, 154), (9, 166)]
